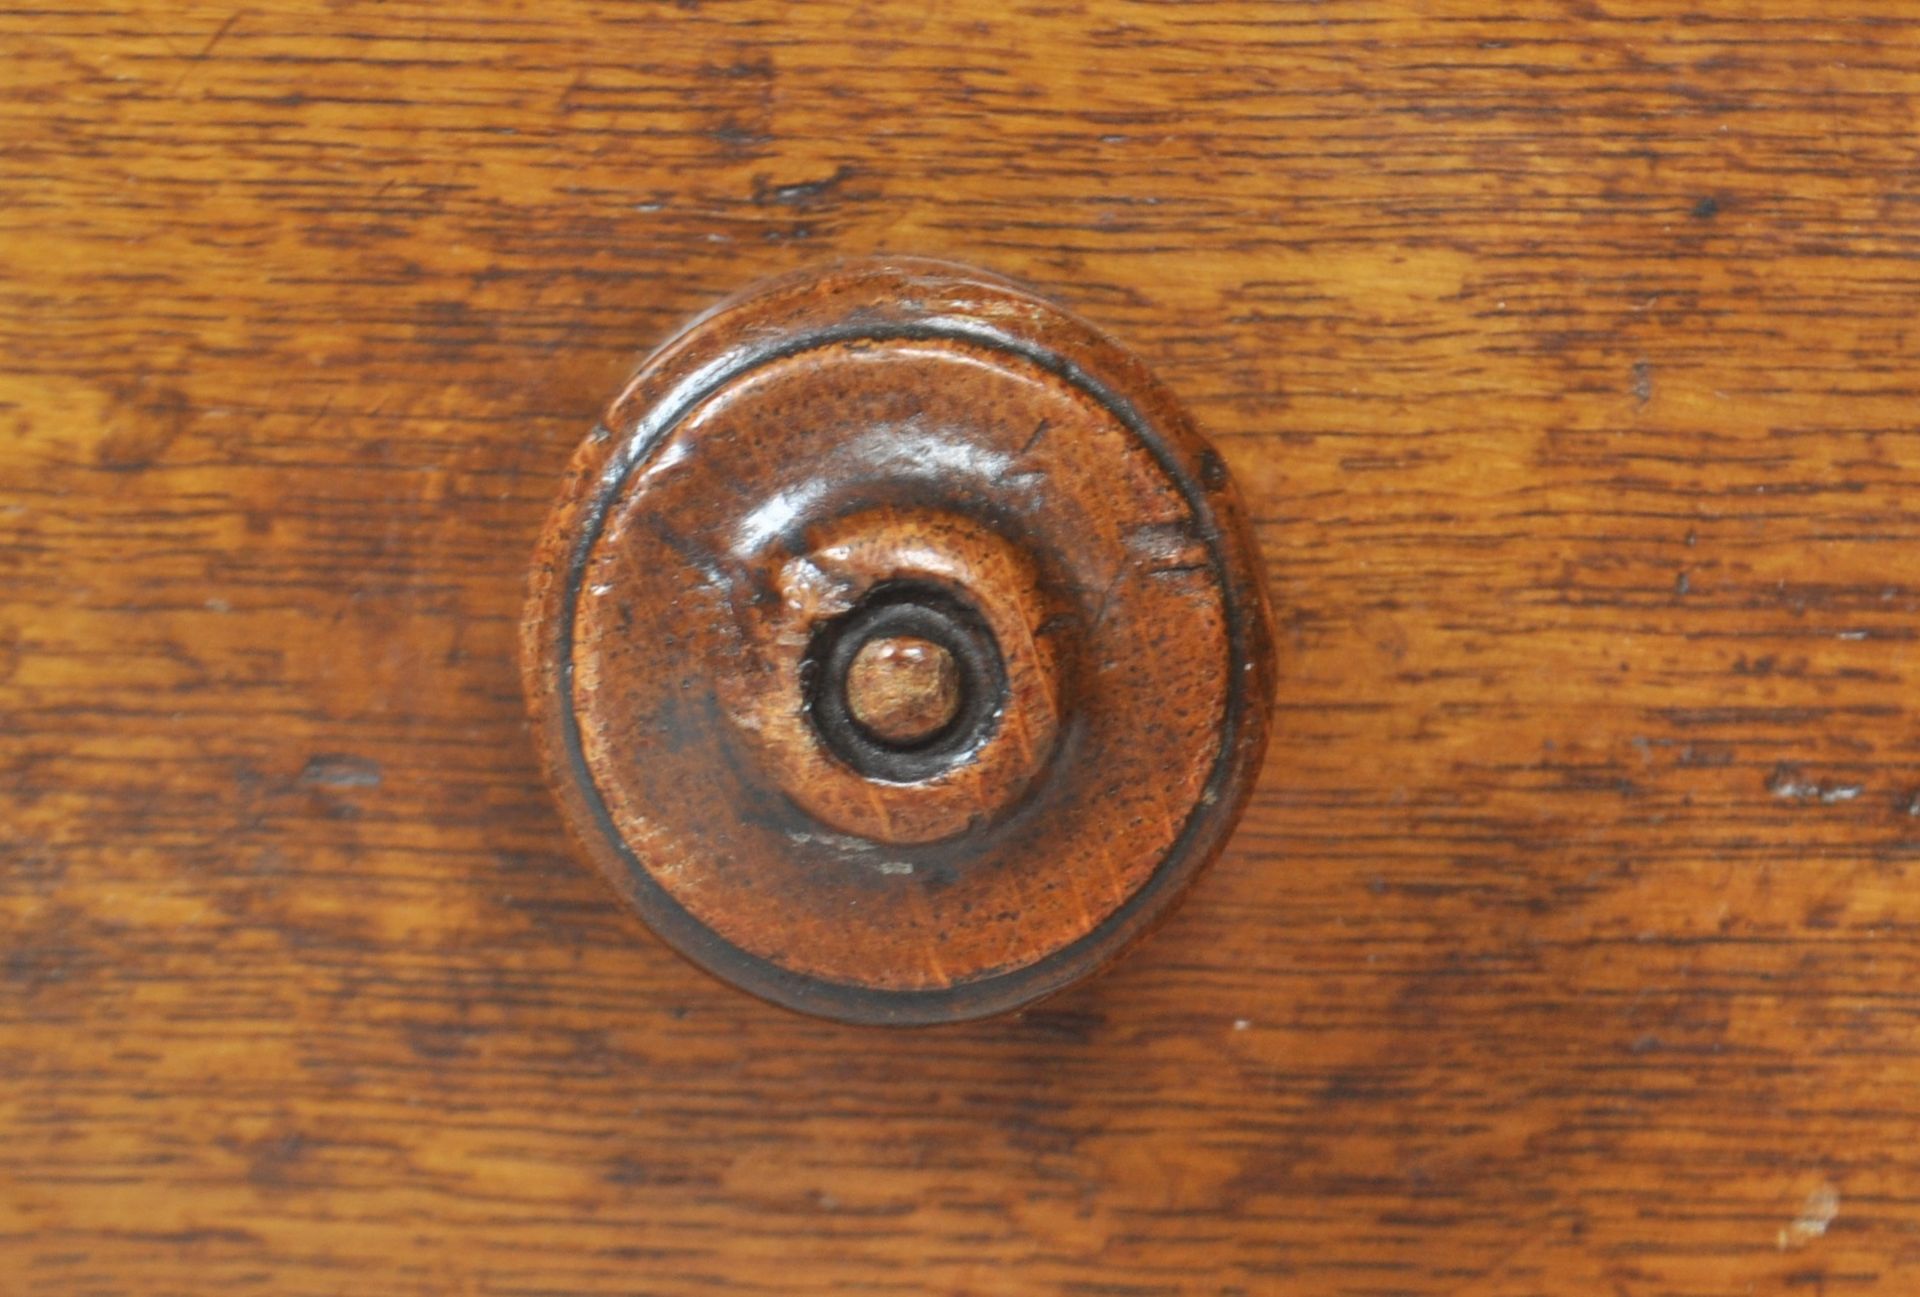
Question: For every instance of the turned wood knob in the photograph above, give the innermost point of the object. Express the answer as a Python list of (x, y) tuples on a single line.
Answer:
[(897, 648)]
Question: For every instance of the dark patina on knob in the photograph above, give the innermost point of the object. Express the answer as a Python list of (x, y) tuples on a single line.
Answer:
[(898, 648)]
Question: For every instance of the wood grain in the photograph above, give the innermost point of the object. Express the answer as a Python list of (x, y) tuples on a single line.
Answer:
[(1568, 361)]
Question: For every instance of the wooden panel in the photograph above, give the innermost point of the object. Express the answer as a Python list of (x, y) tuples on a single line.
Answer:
[(1570, 364)]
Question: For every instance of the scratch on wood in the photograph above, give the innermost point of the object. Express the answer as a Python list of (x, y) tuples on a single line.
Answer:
[(1820, 1210)]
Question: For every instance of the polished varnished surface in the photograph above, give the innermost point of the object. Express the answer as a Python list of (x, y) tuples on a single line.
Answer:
[(883, 446), (1568, 365)]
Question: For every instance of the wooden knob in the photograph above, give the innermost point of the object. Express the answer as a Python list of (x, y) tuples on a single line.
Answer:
[(897, 647)]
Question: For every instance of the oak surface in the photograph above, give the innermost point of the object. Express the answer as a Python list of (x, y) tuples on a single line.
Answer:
[(1568, 361)]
